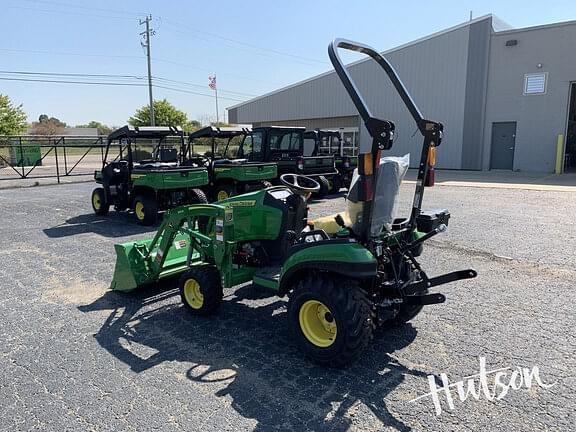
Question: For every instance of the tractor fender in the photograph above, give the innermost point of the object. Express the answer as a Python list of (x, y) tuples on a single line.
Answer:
[(341, 257)]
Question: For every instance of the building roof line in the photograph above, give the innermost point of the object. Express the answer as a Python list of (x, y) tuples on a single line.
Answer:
[(399, 47), (537, 27)]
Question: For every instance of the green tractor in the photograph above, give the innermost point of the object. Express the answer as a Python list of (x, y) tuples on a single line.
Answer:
[(147, 174), (328, 143), (231, 166), (345, 274)]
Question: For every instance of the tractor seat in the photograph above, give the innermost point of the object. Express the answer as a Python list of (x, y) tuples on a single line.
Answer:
[(350, 217), (328, 223)]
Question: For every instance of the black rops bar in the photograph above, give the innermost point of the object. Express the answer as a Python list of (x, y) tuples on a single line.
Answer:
[(381, 130)]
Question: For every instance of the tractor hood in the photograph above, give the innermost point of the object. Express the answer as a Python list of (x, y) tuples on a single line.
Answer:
[(391, 172)]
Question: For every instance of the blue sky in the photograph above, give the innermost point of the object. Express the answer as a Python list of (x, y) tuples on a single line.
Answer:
[(252, 46)]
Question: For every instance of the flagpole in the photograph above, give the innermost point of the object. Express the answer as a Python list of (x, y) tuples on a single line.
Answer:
[(216, 93)]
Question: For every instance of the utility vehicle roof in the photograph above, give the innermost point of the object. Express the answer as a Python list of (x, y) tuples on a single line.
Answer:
[(145, 132), (219, 132), (282, 127)]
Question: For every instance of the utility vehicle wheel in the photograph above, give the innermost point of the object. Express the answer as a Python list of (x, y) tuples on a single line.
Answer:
[(201, 289), (99, 203), (331, 319), (224, 191), (324, 186), (197, 196), (146, 209), (336, 184)]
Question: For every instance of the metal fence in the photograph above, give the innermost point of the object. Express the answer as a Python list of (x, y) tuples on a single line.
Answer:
[(33, 156)]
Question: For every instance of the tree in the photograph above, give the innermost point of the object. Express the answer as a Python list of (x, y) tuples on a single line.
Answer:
[(12, 117), (165, 114), (102, 128), (47, 126)]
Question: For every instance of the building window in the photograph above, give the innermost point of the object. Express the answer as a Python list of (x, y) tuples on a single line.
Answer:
[(535, 83)]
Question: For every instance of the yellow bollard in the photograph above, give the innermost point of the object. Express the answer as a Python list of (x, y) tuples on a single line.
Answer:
[(559, 153)]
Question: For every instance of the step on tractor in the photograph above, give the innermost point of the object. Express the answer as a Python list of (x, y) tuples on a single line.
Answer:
[(147, 174), (231, 172), (345, 275), (285, 146), (329, 142)]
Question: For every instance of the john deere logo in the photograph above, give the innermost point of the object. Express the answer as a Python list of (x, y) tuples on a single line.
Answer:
[(247, 203)]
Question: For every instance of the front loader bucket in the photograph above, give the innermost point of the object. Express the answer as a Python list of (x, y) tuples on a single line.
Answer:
[(135, 266)]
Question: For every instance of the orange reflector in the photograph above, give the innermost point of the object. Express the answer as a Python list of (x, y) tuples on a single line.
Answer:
[(368, 164), (432, 156)]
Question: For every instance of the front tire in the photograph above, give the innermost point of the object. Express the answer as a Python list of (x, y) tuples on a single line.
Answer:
[(201, 290), (331, 319), (99, 203), (146, 209)]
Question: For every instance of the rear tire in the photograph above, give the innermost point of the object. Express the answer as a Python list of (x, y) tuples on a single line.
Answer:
[(224, 191), (197, 196), (146, 209), (331, 319), (201, 290), (99, 203)]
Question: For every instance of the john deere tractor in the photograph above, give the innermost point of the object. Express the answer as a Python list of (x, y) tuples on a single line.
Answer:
[(231, 171), (345, 275), (147, 174)]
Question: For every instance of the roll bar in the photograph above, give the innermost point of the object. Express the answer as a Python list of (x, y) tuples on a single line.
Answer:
[(382, 131)]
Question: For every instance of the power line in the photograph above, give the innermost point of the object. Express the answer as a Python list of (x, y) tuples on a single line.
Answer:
[(114, 76), (72, 82), (62, 4), (71, 13)]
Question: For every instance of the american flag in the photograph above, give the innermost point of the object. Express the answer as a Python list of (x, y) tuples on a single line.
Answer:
[(212, 82)]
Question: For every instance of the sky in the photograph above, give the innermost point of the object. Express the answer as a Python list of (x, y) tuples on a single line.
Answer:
[(253, 47)]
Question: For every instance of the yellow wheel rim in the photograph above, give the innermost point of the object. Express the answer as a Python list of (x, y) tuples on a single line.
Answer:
[(192, 294), (222, 195), (139, 210), (96, 201), (317, 323)]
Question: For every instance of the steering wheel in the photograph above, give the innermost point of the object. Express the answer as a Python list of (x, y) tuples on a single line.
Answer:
[(299, 183)]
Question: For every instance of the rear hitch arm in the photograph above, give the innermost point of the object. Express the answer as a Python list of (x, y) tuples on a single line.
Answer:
[(439, 280)]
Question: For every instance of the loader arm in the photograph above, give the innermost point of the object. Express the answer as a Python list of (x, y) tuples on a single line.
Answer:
[(179, 242)]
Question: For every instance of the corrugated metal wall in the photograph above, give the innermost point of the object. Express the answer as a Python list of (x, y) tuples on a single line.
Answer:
[(321, 123), (435, 72)]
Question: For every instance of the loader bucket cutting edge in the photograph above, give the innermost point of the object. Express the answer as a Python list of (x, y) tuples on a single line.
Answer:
[(133, 271)]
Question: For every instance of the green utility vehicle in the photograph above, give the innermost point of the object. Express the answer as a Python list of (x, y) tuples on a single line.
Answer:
[(327, 143), (345, 274), (285, 147), (230, 173), (147, 174)]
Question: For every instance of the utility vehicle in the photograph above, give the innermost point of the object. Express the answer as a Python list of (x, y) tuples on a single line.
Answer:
[(345, 274), (231, 172), (147, 174), (285, 146), (329, 142)]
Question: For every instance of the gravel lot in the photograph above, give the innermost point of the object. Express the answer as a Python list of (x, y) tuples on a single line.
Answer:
[(76, 356)]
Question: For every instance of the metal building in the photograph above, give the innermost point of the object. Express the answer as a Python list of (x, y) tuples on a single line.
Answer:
[(503, 94)]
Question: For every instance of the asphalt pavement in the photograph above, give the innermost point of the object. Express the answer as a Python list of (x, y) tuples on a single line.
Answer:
[(76, 356)]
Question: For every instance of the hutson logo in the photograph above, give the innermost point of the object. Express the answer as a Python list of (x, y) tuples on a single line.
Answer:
[(492, 385)]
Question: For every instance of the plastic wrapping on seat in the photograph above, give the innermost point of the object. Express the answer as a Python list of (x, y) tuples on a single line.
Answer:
[(390, 175)]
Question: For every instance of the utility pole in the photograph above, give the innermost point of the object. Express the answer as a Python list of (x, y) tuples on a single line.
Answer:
[(146, 35)]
